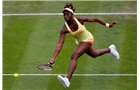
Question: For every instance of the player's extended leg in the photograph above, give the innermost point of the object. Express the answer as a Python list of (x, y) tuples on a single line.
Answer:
[(94, 53), (111, 49), (80, 50)]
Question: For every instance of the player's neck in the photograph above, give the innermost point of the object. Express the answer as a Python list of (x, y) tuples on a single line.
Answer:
[(71, 21)]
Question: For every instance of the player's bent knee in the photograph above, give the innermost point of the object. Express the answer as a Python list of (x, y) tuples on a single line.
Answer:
[(74, 57), (94, 56)]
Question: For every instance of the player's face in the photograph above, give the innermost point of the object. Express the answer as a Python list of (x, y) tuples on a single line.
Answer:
[(67, 15)]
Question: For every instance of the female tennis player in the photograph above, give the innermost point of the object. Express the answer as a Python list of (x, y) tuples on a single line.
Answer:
[(75, 27)]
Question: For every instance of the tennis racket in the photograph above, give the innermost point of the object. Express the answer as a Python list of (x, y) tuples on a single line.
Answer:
[(46, 67)]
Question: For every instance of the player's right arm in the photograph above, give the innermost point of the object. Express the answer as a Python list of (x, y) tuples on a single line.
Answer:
[(59, 44)]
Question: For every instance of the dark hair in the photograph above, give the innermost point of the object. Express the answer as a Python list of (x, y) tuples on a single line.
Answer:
[(69, 5)]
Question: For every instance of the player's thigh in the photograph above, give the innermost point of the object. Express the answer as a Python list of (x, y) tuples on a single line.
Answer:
[(81, 49)]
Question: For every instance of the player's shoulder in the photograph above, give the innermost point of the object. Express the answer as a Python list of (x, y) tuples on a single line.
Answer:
[(81, 19), (64, 29)]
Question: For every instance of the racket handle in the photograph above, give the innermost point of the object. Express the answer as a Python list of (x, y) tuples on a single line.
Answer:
[(51, 62)]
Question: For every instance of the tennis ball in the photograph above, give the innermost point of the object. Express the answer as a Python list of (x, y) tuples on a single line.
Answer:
[(16, 75)]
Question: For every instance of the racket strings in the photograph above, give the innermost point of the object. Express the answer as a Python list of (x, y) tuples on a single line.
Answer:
[(45, 67)]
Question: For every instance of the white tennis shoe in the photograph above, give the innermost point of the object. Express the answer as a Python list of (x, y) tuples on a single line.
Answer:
[(114, 52), (64, 81)]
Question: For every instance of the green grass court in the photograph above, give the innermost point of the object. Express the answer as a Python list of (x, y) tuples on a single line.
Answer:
[(31, 40)]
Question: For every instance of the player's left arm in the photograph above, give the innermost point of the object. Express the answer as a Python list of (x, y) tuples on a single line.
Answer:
[(89, 19)]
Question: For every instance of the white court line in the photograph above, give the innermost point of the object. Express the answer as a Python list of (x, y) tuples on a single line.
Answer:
[(70, 0), (52, 14), (85, 75)]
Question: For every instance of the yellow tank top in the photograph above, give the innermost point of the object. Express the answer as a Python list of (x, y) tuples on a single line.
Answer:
[(82, 34)]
